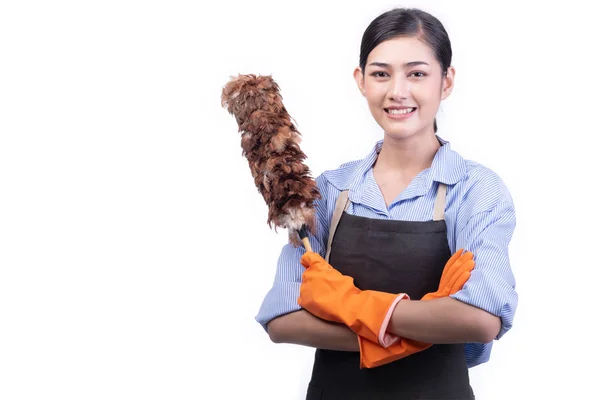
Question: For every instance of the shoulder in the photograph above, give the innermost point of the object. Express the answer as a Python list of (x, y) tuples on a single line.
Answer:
[(472, 183), (339, 179), (482, 189), (331, 183)]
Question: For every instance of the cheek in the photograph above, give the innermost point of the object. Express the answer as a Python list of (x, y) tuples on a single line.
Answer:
[(375, 95), (428, 96), (375, 104)]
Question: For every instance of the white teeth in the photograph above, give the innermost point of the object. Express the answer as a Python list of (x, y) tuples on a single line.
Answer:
[(403, 111)]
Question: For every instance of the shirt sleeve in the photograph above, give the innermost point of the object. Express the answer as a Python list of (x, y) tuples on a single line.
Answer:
[(487, 231), (282, 298)]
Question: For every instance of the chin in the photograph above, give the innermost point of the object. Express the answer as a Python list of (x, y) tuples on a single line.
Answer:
[(395, 132)]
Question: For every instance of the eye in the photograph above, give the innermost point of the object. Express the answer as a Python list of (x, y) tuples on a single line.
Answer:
[(379, 74), (418, 74)]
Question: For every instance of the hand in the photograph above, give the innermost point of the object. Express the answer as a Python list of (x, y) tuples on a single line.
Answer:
[(456, 273)]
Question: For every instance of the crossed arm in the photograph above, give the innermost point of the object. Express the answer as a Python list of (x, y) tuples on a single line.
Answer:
[(479, 313), (436, 321)]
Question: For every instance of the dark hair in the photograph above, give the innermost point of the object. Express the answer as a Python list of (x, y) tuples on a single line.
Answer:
[(408, 22)]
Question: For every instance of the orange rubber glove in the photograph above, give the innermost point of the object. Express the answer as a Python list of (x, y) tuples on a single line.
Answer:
[(373, 355), (454, 276), (329, 295)]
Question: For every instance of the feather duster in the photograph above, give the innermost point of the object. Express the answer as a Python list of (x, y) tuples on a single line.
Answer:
[(271, 144)]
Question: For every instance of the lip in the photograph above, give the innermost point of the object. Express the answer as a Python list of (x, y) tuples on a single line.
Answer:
[(400, 116)]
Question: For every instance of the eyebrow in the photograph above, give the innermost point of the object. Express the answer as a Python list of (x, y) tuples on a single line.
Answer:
[(407, 65)]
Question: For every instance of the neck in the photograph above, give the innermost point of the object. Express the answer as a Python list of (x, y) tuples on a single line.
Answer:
[(408, 155)]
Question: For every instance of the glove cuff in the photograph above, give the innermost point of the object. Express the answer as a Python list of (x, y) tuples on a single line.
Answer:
[(387, 339)]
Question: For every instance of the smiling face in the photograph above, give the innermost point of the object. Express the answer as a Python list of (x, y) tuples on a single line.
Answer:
[(404, 85)]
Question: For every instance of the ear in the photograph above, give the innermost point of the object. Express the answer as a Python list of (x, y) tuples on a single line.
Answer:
[(360, 80), (448, 83)]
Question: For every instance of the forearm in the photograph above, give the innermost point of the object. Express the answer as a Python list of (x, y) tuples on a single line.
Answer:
[(305, 329), (443, 320)]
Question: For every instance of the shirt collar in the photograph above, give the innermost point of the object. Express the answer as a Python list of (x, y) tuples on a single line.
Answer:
[(447, 167)]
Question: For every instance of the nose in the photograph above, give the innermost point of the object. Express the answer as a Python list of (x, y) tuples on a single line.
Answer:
[(400, 88)]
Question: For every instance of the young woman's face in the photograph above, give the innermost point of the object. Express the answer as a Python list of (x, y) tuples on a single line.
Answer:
[(403, 85)]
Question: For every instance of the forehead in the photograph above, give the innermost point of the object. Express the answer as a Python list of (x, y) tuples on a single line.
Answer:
[(400, 50)]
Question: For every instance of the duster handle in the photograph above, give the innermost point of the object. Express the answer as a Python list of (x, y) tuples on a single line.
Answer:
[(304, 236)]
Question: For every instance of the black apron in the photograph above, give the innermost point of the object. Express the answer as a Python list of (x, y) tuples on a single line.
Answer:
[(396, 257)]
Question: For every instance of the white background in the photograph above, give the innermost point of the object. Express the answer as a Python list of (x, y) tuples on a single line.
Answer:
[(134, 250)]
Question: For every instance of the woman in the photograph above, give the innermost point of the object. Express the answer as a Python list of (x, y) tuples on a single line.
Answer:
[(391, 229)]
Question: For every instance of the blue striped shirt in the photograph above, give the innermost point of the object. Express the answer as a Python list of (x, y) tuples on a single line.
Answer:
[(479, 214)]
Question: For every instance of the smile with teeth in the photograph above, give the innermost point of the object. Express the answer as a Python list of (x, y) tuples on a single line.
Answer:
[(395, 111)]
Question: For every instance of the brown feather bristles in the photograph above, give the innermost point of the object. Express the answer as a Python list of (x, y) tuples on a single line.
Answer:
[(271, 144)]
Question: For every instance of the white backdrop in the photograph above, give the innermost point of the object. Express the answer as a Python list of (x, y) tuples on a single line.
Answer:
[(134, 250)]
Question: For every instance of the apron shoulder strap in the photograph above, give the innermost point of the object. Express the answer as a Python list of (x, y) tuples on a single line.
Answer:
[(341, 205), (440, 203)]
